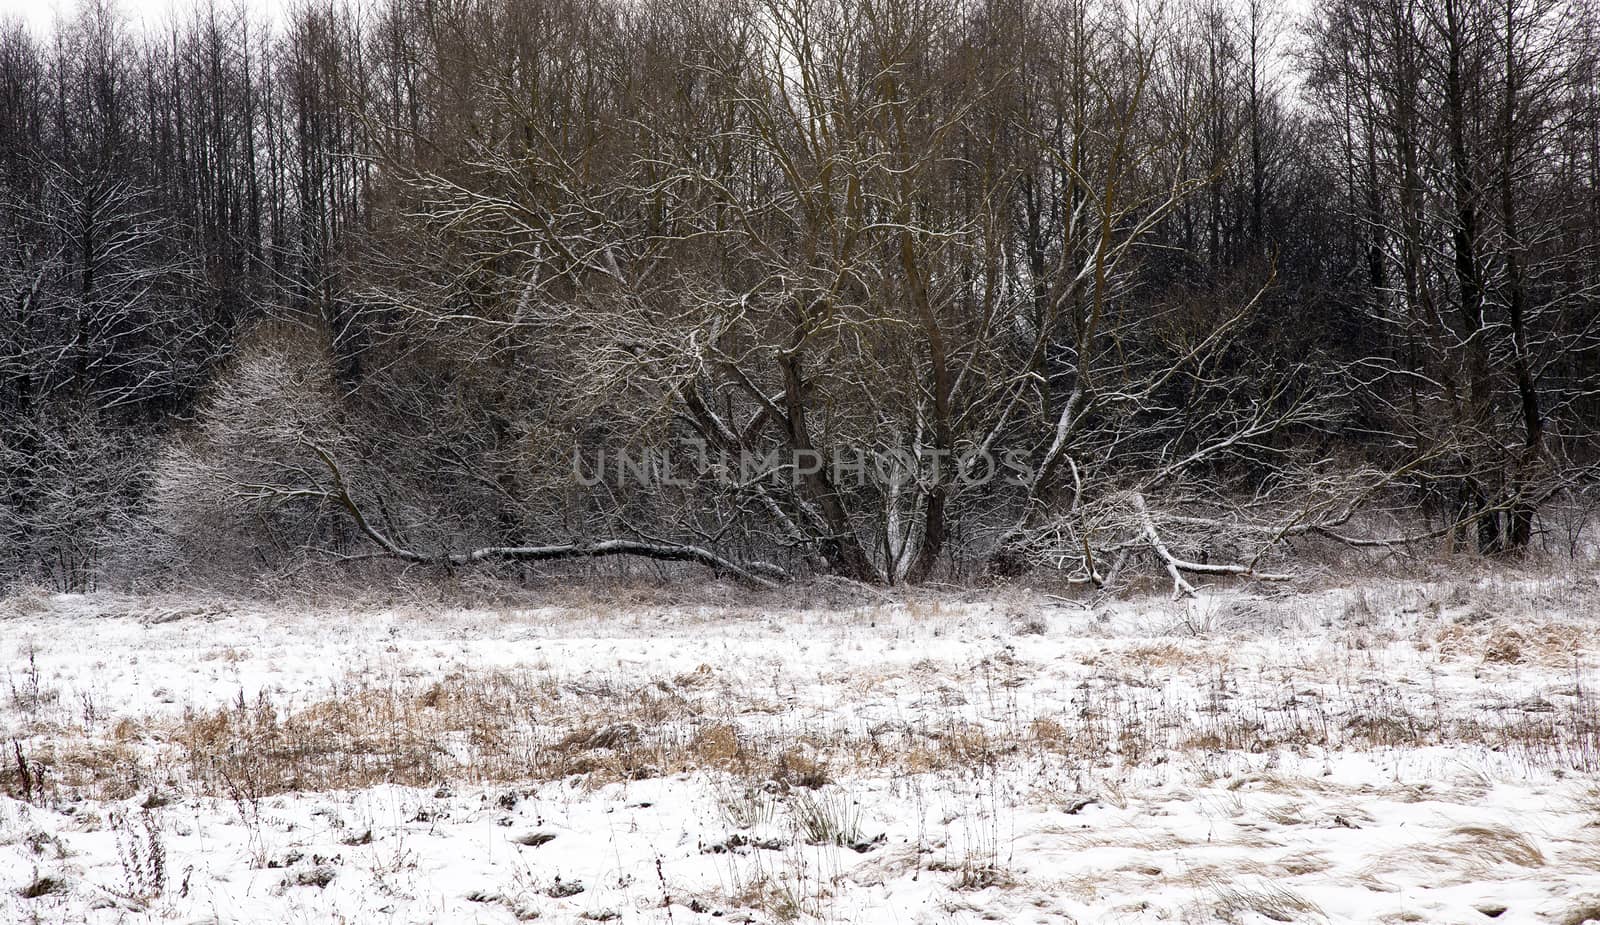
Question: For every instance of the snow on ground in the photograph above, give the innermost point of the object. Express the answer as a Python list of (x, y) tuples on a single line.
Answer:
[(1423, 753)]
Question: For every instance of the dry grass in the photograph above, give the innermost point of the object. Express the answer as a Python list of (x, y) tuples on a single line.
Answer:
[(1584, 912), (529, 724), (1529, 642), (782, 899), (1235, 900), (479, 727), (1467, 854), (1170, 655), (1493, 844)]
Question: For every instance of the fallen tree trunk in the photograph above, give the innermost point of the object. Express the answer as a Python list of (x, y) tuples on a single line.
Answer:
[(751, 573), (760, 574)]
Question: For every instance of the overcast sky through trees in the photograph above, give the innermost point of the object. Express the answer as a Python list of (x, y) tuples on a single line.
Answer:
[(39, 14)]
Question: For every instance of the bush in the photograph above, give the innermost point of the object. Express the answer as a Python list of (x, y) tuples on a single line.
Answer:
[(228, 497)]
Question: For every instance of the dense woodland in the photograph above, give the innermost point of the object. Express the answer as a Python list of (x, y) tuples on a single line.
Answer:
[(368, 286)]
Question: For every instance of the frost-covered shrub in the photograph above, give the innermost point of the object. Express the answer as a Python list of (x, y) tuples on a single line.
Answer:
[(69, 482), (236, 493)]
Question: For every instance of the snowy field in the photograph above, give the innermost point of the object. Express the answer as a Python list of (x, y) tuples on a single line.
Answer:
[(1415, 753)]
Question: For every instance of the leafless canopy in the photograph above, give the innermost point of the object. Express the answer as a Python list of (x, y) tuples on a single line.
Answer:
[(980, 287)]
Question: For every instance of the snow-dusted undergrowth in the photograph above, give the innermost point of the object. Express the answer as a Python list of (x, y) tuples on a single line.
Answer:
[(1423, 753)]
